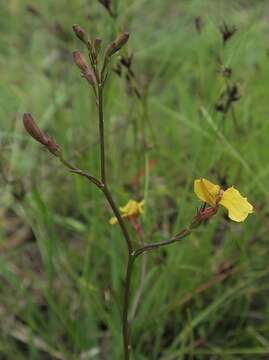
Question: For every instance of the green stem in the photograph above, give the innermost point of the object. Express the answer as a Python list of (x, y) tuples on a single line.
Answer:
[(101, 133), (105, 189), (156, 245), (125, 323), (78, 171)]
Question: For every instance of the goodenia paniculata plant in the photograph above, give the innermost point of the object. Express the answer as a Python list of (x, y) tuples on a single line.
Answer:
[(95, 73)]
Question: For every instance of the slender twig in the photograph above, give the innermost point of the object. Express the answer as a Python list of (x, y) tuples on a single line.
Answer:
[(75, 170), (156, 245), (88, 176)]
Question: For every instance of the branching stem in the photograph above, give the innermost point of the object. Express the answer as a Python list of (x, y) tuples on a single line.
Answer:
[(158, 244)]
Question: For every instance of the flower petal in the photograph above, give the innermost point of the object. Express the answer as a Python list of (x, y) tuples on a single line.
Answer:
[(206, 191), (113, 221), (132, 208), (238, 207), (141, 206)]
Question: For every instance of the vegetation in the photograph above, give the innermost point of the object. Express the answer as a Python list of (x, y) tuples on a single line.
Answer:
[(184, 99)]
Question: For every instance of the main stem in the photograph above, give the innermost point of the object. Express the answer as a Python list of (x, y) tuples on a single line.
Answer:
[(101, 132), (105, 189), (125, 323)]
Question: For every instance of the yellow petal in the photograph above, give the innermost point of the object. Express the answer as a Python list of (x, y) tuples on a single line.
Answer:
[(238, 206), (141, 206), (132, 208), (113, 221), (206, 191)]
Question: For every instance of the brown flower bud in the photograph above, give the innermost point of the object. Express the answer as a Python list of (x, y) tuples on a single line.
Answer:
[(80, 33), (117, 44), (80, 61), (84, 67), (33, 130), (89, 76), (53, 147), (97, 45)]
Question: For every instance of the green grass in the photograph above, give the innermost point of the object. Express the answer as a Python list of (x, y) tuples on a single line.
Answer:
[(61, 288)]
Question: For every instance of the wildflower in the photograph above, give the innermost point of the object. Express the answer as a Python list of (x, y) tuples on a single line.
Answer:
[(130, 211), (238, 207)]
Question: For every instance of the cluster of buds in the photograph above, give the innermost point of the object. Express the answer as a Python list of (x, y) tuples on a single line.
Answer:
[(91, 73), (36, 133)]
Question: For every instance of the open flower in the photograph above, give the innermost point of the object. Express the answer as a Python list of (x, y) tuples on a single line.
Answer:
[(238, 207), (131, 211)]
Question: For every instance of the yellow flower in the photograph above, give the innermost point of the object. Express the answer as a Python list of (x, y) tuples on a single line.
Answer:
[(130, 211), (238, 207)]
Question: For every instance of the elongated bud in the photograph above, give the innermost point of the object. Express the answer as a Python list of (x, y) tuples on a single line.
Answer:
[(36, 133), (89, 76), (84, 67), (33, 130), (117, 44), (53, 147), (97, 45), (80, 33), (80, 61)]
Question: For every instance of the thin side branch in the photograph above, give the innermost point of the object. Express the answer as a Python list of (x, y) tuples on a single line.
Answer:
[(156, 245), (75, 170)]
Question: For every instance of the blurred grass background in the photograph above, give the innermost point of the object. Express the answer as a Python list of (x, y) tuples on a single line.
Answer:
[(61, 263)]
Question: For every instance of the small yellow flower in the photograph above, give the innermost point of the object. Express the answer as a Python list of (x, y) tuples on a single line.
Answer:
[(130, 211), (238, 207)]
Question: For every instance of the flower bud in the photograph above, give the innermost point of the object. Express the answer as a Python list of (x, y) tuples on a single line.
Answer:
[(117, 44), (36, 133), (80, 61), (84, 67), (33, 130), (97, 45), (80, 33), (53, 147), (89, 76)]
